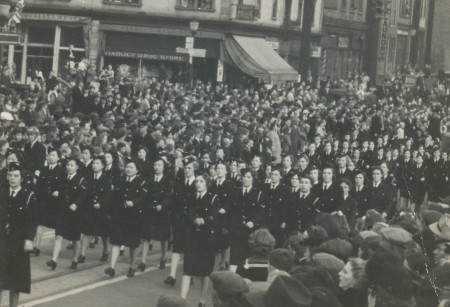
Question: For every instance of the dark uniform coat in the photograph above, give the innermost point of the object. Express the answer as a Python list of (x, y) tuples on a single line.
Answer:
[(302, 212), (155, 225), (50, 181), (69, 222), (380, 198), (200, 246), (328, 198), (17, 224), (99, 191), (125, 229), (418, 184), (34, 157), (276, 210), (437, 183), (362, 200), (178, 212), (348, 207), (248, 207), (224, 192)]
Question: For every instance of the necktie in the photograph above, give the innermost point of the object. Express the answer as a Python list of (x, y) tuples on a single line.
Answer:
[(324, 187), (68, 177), (273, 187), (198, 195), (293, 189), (128, 179), (156, 179), (13, 193), (303, 196), (245, 191)]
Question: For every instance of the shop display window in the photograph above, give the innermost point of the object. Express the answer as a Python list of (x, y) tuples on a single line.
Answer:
[(41, 35)]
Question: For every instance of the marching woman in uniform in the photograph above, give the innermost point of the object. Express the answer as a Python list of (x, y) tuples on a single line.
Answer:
[(128, 199), (96, 209), (17, 230), (112, 169), (86, 161), (155, 213), (47, 191), (68, 226), (183, 187), (247, 215), (223, 188), (199, 253)]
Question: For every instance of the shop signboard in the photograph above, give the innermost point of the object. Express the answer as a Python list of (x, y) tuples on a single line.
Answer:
[(196, 53), (54, 17), (147, 56), (219, 71), (245, 12), (189, 42), (343, 42), (316, 51), (11, 39)]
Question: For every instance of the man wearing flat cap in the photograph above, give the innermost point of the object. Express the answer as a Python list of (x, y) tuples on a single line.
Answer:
[(228, 289)]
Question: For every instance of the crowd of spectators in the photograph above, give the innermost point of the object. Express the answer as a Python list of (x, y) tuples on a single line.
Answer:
[(372, 163)]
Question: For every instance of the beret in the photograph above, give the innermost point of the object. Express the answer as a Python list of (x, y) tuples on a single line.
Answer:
[(396, 235), (331, 263), (281, 259), (340, 248), (171, 301), (229, 283), (33, 130)]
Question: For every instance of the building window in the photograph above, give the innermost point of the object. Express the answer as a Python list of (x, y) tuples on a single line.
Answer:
[(344, 5), (353, 5), (274, 9), (361, 7), (405, 8), (124, 2), (423, 9), (330, 4), (202, 5)]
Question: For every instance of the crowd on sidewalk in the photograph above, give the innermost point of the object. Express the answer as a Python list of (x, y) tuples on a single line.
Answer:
[(304, 198)]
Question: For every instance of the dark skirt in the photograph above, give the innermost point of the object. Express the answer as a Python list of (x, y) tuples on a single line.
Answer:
[(68, 225), (48, 212), (95, 223), (179, 235), (15, 273), (125, 229), (199, 253), (155, 226), (239, 249)]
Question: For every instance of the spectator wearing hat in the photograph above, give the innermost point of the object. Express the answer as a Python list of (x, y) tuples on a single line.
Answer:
[(352, 280), (247, 215), (17, 230), (155, 223), (34, 153), (143, 138), (284, 291), (228, 289), (280, 263), (128, 198), (171, 301), (183, 187)]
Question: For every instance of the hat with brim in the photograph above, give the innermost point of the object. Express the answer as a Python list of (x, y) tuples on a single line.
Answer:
[(442, 228)]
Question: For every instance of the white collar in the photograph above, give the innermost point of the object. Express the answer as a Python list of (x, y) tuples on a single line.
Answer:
[(131, 178), (190, 180), (98, 175), (15, 191), (327, 185), (273, 185), (220, 181), (303, 194), (248, 189), (71, 176), (201, 194)]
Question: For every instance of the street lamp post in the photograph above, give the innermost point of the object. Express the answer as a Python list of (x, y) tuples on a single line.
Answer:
[(193, 25)]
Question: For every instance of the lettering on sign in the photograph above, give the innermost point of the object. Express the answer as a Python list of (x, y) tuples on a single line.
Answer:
[(54, 17), (146, 56), (245, 12), (384, 38)]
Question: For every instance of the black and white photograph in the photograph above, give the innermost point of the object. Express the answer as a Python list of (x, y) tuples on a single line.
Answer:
[(225, 153)]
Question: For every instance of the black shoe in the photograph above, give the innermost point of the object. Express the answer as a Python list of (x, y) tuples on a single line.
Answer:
[(36, 251), (70, 246), (110, 272), (201, 304), (96, 240), (150, 247), (162, 264), (52, 264), (169, 246), (81, 259), (141, 267), (121, 252), (104, 257), (74, 265), (131, 272), (170, 281)]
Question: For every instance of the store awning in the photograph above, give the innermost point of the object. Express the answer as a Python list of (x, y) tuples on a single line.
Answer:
[(254, 56)]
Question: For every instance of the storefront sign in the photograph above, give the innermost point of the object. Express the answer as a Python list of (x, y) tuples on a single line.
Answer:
[(219, 71), (54, 17), (384, 38), (245, 12), (11, 39), (343, 42), (316, 52), (146, 56)]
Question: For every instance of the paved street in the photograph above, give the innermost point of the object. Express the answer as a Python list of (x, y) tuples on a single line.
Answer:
[(89, 286)]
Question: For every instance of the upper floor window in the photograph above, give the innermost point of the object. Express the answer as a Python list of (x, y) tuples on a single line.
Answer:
[(330, 4), (205, 5), (274, 9), (124, 2), (423, 9), (405, 8), (344, 5)]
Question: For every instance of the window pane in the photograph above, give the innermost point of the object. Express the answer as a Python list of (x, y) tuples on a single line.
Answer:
[(205, 4), (186, 3), (42, 35), (72, 36), (40, 51)]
